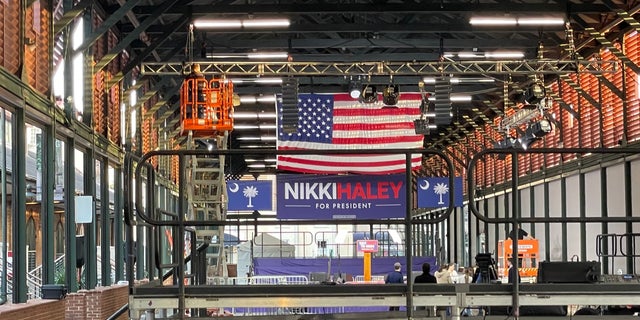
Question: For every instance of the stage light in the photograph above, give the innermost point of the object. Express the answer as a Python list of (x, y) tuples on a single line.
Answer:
[(506, 143), (390, 95), (535, 93), (369, 94), (541, 128), (535, 132), (355, 89)]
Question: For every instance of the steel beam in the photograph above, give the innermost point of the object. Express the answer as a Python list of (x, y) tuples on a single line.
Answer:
[(107, 24), (521, 67), (122, 45)]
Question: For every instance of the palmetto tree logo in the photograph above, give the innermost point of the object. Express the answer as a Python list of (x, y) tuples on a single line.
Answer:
[(441, 189), (251, 192)]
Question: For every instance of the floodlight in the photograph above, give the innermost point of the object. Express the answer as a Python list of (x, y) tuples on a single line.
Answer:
[(390, 95), (535, 132), (355, 89), (540, 128), (535, 93), (369, 94)]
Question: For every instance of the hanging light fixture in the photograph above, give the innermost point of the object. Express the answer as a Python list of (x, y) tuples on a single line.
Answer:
[(390, 95), (355, 89), (369, 94)]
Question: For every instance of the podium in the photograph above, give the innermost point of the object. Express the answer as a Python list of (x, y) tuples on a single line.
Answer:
[(528, 250)]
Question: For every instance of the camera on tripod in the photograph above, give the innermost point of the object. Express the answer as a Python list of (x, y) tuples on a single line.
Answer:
[(486, 268)]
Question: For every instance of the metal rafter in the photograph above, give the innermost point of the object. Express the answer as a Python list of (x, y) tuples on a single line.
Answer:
[(575, 86), (404, 7), (70, 15), (624, 14), (522, 67), (107, 24), (126, 41)]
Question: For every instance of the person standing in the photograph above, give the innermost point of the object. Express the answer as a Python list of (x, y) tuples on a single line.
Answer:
[(395, 276), (519, 233), (426, 276), (513, 274), (443, 275)]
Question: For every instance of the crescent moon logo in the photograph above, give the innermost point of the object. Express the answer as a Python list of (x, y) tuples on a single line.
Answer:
[(424, 186), (234, 187)]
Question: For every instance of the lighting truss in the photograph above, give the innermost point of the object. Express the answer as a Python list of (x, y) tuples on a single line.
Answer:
[(516, 67)]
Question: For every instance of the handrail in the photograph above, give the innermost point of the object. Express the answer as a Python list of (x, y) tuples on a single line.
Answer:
[(471, 187), (119, 312)]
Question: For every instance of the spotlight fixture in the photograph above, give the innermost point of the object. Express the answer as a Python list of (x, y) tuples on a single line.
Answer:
[(532, 95), (535, 132), (507, 143), (355, 89), (369, 94), (390, 95), (535, 93)]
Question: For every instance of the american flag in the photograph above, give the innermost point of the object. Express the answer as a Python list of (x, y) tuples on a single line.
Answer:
[(337, 121)]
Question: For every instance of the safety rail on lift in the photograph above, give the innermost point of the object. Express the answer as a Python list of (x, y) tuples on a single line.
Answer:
[(206, 105)]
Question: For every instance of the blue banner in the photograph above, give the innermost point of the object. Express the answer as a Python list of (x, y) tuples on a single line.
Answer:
[(249, 195), (433, 192), (302, 196)]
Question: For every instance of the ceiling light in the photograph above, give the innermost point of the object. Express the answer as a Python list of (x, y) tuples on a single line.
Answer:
[(512, 21), (260, 99), (260, 23), (216, 24), (268, 55), (260, 138), (239, 23), (431, 80), (504, 54), (254, 126), (254, 115), (541, 21), (470, 55), (460, 98), (493, 21)]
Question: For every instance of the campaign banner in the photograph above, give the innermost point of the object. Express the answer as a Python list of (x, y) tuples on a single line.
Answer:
[(433, 192), (249, 195), (320, 197), (367, 245)]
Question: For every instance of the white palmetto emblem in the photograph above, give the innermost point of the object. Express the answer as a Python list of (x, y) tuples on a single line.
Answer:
[(250, 192), (441, 189)]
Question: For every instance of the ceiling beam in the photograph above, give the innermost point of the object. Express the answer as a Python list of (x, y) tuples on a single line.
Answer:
[(126, 41), (412, 7), (375, 29), (522, 67), (111, 20)]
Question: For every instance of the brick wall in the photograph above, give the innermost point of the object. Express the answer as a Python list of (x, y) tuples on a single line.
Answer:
[(34, 310), (97, 304)]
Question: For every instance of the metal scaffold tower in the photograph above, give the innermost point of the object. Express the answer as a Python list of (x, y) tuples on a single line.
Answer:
[(206, 106)]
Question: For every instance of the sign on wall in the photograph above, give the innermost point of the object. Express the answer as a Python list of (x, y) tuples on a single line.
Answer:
[(433, 192), (341, 197), (249, 195)]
